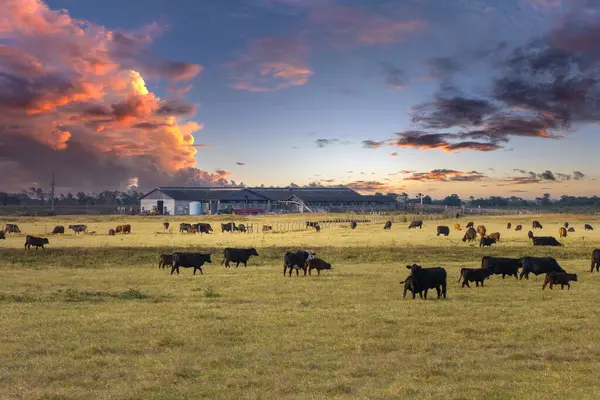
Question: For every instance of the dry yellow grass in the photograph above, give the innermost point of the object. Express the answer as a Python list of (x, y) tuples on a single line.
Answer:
[(93, 317)]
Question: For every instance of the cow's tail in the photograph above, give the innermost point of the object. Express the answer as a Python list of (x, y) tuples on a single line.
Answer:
[(462, 272)]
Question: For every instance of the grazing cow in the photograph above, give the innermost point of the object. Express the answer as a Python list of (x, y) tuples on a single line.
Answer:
[(457, 227), (538, 265), (424, 279), (36, 242), (486, 241), (530, 235), (318, 228), (58, 229), (408, 285), (11, 228), (501, 265), (203, 228), (166, 226), (470, 235), (119, 229), (78, 228), (311, 224), (536, 225), (237, 256), (566, 224), (353, 225), (416, 224), (296, 260), (470, 225), (545, 241), (318, 264), (111, 232), (508, 226), (559, 278), (595, 260), (571, 229), (2, 235), (495, 235), (443, 230), (241, 228), (562, 232), (477, 275), (192, 229), (189, 260), (183, 227), (126, 228), (518, 228), (267, 228), (588, 227), (481, 230), (164, 260), (228, 227), (388, 225)]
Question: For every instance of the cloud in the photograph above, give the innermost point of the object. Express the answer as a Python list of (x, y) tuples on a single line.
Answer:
[(446, 175), (240, 163), (578, 175), (444, 67), (394, 154), (425, 141), (326, 142), (74, 100), (530, 177), (367, 186), (269, 64), (395, 78), (372, 144)]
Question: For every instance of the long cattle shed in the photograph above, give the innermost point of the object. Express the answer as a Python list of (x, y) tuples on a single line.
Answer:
[(242, 200)]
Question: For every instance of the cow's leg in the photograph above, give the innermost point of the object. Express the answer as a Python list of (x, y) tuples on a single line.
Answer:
[(245, 264), (568, 286), (194, 270), (439, 292), (562, 286), (482, 282), (544, 285), (201, 272), (172, 269), (310, 271), (318, 272), (425, 294), (466, 283), (297, 272), (237, 264), (476, 283), (284, 269)]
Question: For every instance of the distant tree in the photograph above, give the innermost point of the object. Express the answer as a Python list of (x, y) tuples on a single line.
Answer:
[(452, 200), (427, 200)]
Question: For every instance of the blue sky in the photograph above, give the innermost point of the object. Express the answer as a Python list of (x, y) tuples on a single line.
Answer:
[(353, 70)]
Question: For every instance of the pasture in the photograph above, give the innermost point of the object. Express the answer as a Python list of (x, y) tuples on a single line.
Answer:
[(92, 316)]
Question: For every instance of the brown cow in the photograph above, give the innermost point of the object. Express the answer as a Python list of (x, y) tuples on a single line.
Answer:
[(470, 225), (508, 226), (562, 232), (571, 229), (119, 229), (470, 235), (559, 278), (127, 228), (164, 260), (518, 228), (530, 235), (495, 236), (318, 228), (388, 225), (267, 228), (58, 229), (536, 225), (566, 224), (457, 227), (481, 230), (111, 232), (166, 226), (318, 264)]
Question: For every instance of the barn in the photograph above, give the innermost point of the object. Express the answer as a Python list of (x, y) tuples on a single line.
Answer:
[(242, 200)]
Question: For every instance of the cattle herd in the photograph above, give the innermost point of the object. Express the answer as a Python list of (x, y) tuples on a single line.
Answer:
[(419, 281)]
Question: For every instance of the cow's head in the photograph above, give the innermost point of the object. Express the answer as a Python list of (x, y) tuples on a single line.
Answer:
[(326, 265), (207, 258), (45, 241), (310, 255), (573, 277), (253, 252), (414, 268)]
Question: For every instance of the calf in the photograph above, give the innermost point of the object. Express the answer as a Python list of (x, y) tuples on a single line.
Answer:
[(588, 227), (416, 224), (408, 285), (11, 228), (267, 228), (119, 229), (571, 229), (36, 242), (470, 235), (501, 266), (2, 235), (530, 235), (78, 228), (353, 225), (228, 227), (495, 235), (518, 228), (183, 227), (562, 232), (477, 275), (538, 265), (203, 228), (127, 228), (241, 228), (237, 256), (164, 260), (318, 264), (58, 229), (457, 227), (111, 232), (595, 260), (443, 230), (318, 228), (558, 278), (486, 241), (166, 226), (296, 260), (388, 225), (508, 226), (189, 260), (481, 230), (536, 225), (424, 279), (545, 241)]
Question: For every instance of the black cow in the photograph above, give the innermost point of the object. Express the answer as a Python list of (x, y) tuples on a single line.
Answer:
[(228, 227), (416, 224), (486, 241), (189, 260), (203, 228), (588, 227), (545, 241), (2, 235), (566, 225), (58, 229), (477, 275), (311, 224), (36, 242), (559, 278), (538, 265), (166, 226), (353, 225), (424, 279), (78, 228), (508, 226), (443, 230), (470, 235), (501, 266), (388, 225), (183, 227), (536, 225), (519, 228), (11, 228), (296, 260), (595, 260), (318, 264), (237, 256)]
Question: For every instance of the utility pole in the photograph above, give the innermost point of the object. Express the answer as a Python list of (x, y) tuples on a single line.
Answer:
[(52, 192)]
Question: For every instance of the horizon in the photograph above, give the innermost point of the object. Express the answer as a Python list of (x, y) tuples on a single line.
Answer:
[(477, 98)]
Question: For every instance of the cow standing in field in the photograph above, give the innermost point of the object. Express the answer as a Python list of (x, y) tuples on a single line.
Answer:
[(228, 227), (416, 224), (318, 264), (443, 230), (11, 228), (296, 260), (267, 228), (530, 235), (119, 229), (388, 225), (353, 225), (545, 241), (78, 228), (558, 278), (595, 260), (58, 230), (486, 241), (477, 275), (501, 266), (588, 227), (518, 228), (424, 279), (495, 236), (166, 226), (189, 260), (203, 228), (183, 227), (318, 228), (562, 232), (508, 226), (538, 265), (457, 227), (571, 229), (164, 260), (237, 256), (126, 228), (36, 242), (536, 225), (481, 230), (2, 235), (470, 235), (111, 232), (470, 225)]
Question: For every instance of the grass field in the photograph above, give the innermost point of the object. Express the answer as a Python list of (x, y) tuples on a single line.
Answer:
[(92, 317)]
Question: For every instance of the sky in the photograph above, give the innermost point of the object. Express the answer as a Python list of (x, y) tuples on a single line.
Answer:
[(473, 97)]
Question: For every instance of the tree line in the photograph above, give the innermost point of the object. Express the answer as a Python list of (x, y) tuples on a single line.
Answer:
[(36, 196)]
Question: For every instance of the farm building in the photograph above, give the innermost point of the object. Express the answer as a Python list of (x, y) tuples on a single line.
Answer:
[(212, 200)]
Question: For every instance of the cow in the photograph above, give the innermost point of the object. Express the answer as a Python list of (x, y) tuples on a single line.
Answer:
[(595, 260), (11, 228), (424, 279), (443, 230), (318, 264), (241, 228), (183, 227), (457, 227), (470, 225), (237, 256), (470, 235), (559, 278), (408, 285), (192, 229), (416, 224), (501, 266), (318, 228), (111, 232), (538, 265), (388, 225), (571, 229), (536, 225), (189, 260), (566, 225), (2, 235), (78, 228), (119, 229), (486, 241), (562, 232), (508, 226), (477, 275), (353, 225), (228, 227), (518, 228), (296, 260), (311, 224), (58, 229), (126, 228), (267, 228), (545, 241), (495, 235), (203, 228), (35, 241), (588, 227), (530, 235), (166, 226), (481, 230), (164, 260)]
